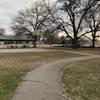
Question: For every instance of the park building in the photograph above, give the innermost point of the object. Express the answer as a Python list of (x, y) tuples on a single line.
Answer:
[(16, 41)]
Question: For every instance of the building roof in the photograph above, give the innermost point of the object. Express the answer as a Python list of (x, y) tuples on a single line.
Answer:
[(16, 38)]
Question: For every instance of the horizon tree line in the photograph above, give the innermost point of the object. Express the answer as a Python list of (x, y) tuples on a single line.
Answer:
[(77, 18)]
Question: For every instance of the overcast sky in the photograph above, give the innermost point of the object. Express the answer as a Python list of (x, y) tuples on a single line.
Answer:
[(9, 9)]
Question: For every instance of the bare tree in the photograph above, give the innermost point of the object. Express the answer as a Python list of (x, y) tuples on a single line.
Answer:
[(70, 17), (31, 20), (93, 23)]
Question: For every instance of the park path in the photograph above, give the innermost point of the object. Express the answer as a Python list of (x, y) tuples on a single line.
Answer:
[(44, 83), (23, 50)]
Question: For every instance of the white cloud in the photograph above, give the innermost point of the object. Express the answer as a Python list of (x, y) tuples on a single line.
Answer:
[(9, 9)]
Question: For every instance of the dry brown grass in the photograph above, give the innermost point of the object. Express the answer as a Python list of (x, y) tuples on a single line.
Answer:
[(82, 80), (85, 50), (30, 60), (13, 66)]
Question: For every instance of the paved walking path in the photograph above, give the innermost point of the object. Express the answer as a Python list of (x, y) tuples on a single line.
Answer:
[(44, 82), (23, 50)]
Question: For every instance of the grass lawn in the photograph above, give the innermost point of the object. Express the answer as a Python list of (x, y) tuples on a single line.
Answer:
[(85, 50), (14, 66), (81, 81), (89, 50)]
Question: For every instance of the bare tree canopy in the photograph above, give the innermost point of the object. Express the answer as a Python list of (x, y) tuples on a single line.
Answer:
[(93, 23), (67, 16), (70, 17), (31, 20)]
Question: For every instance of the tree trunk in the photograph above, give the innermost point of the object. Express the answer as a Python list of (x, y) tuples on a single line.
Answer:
[(35, 37), (34, 44), (75, 42), (75, 39), (93, 42)]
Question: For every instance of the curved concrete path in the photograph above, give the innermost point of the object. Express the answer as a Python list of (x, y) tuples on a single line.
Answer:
[(43, 83)]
